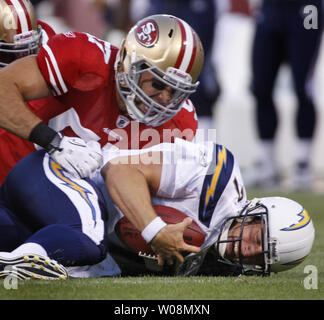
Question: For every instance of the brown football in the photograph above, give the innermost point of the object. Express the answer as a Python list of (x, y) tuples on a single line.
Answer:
[(125, 230)]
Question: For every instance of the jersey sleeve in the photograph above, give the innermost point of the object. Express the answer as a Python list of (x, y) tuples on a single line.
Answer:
[(47, 31), (46, 108), (74, 60)]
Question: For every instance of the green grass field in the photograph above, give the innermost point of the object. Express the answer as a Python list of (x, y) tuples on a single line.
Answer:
[(288, 285)]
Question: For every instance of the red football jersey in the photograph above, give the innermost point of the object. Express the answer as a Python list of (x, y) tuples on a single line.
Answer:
[(13, 148), (79, 69), (48, 32)]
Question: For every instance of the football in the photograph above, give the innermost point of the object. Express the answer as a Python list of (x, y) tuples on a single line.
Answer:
[(125, 230)]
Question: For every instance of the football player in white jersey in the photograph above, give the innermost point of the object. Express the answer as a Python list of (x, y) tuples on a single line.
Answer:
[(202, 180)]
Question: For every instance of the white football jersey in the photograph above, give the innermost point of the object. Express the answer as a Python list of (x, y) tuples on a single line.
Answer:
[(203, 180)]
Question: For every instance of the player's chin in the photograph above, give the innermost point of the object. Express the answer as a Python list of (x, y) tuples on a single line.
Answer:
[(144, 108)]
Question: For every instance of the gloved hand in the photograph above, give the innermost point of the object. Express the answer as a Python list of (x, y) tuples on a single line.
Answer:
[(76, 156)]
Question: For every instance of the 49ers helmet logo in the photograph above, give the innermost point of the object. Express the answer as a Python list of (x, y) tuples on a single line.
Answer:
[(147, 33)]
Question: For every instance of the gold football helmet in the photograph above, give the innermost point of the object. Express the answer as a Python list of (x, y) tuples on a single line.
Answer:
[(19, 34), (171, 51)]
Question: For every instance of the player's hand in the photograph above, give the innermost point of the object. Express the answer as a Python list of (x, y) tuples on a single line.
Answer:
[(76, 156), (169, 243)]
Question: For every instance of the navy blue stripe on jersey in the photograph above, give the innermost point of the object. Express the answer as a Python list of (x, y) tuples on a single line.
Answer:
[(216, 179)]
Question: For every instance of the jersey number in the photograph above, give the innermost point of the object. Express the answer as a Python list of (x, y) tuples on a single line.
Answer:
[(102, 45), (239, 189)]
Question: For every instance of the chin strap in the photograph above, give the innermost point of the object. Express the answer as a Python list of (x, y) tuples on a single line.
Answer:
[(191, 264), (131, 101), (189, 267)]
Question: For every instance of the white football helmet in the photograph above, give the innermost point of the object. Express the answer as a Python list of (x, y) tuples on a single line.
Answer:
[(19, 33), (171, 51), (287, 229)]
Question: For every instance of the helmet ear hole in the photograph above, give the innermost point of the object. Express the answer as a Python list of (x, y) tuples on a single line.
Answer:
[(170, 33)]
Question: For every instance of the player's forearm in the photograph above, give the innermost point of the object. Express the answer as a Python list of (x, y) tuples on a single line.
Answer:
[(22, 81), (15, 116), (130, 192)]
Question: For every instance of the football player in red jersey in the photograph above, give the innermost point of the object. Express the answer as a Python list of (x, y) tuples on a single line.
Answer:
[(21, 37), (105, 94), (17, 41)]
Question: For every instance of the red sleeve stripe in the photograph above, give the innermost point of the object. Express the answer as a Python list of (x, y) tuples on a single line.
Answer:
[(188, 48), (56, 79)]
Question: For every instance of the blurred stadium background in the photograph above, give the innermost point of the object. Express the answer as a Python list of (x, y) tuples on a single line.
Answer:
[(233, 114)]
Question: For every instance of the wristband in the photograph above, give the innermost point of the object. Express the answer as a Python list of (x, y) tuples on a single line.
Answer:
[(152, 229), (45, 137)]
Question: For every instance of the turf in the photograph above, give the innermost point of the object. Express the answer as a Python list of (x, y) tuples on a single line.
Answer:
[(289, 285)]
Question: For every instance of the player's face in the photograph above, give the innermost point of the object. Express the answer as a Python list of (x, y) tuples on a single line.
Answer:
[(156, 90), (251, 244)]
